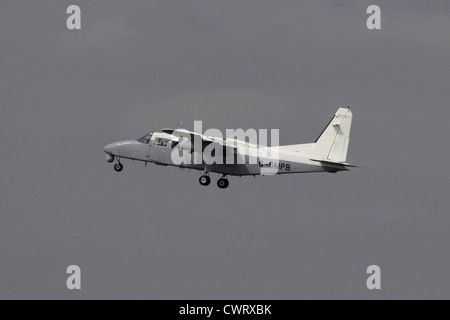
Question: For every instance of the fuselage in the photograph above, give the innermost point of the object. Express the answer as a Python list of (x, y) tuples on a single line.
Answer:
[(246, 159)]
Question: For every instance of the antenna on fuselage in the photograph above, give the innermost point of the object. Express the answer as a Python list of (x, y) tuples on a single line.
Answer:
[(181, 124)]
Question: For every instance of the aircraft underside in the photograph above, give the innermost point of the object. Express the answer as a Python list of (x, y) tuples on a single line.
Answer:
[(266, 167)]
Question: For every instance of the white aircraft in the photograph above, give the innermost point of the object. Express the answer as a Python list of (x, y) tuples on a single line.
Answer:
[(177, 147)]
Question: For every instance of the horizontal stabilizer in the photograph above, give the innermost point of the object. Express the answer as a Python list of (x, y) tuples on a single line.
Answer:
[(336, 163)]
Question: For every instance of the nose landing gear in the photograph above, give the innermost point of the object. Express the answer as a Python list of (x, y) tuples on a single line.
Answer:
[(118, 167)]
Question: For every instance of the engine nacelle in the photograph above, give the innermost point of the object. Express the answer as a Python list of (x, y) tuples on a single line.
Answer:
[(109, 158), (185, 144)]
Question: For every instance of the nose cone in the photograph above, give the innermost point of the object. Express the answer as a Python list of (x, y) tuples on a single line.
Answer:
[(112, 149)]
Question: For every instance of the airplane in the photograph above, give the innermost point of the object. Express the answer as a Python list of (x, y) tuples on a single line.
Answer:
[(327, 154)]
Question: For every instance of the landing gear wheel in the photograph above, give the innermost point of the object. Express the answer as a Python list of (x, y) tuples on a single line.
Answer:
[(205, 180), (118, 167), (223, 183)]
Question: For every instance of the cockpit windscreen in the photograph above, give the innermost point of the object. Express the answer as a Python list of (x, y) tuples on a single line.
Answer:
[(145, 139)]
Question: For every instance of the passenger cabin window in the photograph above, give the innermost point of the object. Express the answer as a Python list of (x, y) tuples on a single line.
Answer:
[(161, 142), (145, 139)]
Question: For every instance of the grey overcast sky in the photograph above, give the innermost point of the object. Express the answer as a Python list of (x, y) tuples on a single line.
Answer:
[(155, 233)]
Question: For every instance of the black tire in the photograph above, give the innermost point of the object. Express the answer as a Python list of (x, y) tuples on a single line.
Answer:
[(205, 180), (223, 183), (118, 167)]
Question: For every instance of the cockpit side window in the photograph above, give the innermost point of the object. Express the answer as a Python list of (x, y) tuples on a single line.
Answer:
[(161, 142), (146, 139)]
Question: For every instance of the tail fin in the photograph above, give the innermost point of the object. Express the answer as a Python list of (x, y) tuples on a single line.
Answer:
[(332, 145)]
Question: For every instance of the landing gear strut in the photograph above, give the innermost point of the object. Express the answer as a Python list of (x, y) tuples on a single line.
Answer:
[(118, 167), (223, 183), (205, 180)]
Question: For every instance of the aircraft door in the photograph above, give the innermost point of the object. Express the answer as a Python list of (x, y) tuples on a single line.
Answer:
[(160, 149)]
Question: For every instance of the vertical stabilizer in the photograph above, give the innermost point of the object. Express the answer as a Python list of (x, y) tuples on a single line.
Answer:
[(332, 145)]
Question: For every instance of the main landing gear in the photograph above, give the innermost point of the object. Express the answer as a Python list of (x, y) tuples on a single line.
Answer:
[(222, 183), (205, 180)]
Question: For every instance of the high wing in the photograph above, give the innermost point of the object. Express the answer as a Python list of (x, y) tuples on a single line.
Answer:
[(188, 138)]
